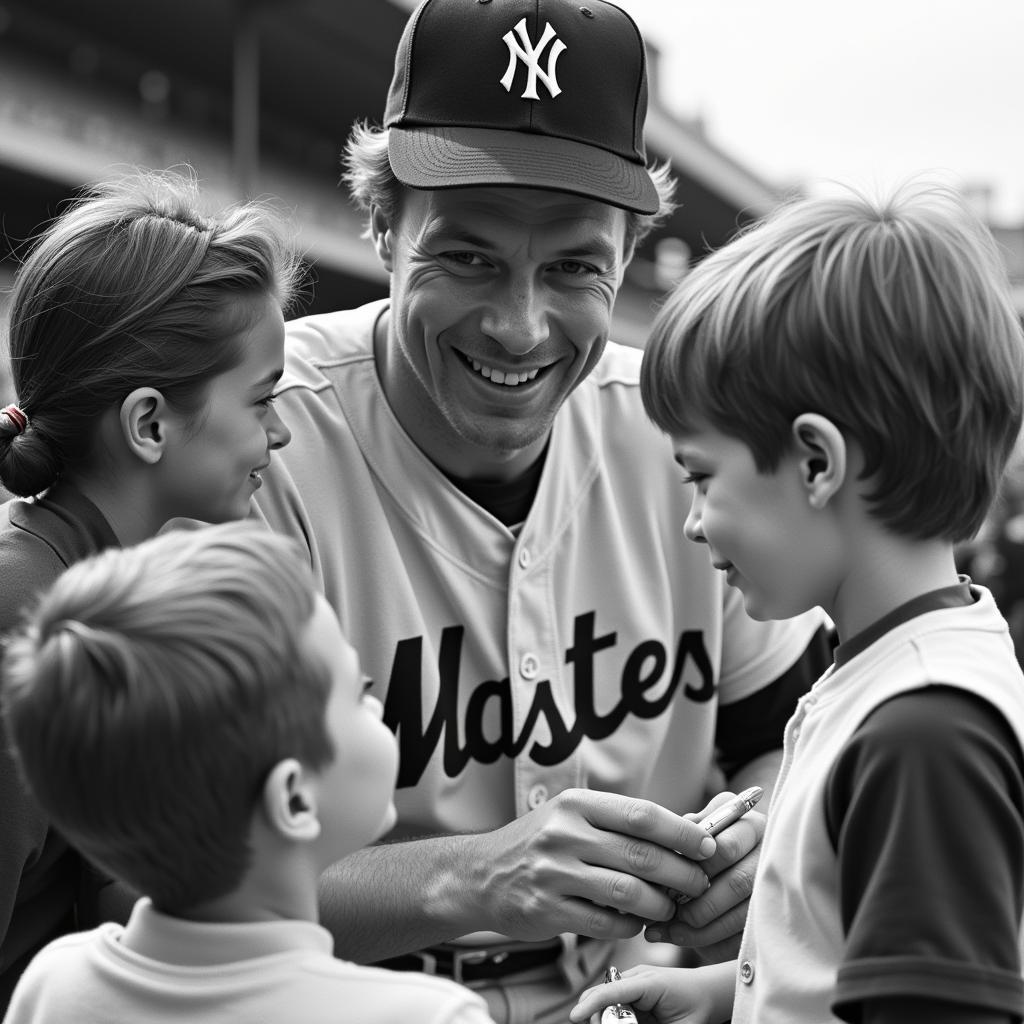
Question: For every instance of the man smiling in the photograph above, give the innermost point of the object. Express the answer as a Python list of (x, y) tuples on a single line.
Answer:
[(500, 529)]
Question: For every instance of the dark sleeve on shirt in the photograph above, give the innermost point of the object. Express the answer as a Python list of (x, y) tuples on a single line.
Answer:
[(38, 875), (755, 725), (925, 808)]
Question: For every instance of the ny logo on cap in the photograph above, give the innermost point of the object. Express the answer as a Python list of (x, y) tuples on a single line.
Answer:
[(530, 56)]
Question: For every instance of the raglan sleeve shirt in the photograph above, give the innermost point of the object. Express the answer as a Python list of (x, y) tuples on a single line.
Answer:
[(39, 876), (925, 808)]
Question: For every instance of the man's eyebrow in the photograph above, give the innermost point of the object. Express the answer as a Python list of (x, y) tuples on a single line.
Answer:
[(595, 245), (453, 234)]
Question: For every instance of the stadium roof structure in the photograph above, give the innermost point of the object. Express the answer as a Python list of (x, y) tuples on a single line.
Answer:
[(258, 96)]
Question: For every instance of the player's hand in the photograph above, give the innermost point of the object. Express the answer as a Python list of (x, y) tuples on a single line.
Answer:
[(667, 995), (592, 863), (714, 920)]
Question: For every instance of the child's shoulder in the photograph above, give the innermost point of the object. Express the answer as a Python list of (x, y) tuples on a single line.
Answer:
[(66, 958), (384, 996)]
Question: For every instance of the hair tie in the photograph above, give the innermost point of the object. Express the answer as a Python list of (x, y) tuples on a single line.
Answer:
[(16, 416)]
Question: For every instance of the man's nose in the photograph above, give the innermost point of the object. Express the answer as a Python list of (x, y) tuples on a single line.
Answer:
[(517, 318)]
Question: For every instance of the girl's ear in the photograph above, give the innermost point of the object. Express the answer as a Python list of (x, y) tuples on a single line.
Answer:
[(822, 454), (289, 802), (143, 420), (381, 233)]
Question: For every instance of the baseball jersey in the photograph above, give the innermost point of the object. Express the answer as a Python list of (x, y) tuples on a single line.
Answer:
[(842, 910), (161, 969), (589, 647)]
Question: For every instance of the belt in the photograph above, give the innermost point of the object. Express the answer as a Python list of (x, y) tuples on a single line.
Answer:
[(466, 963)]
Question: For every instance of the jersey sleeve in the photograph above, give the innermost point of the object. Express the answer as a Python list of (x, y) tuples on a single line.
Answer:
[(756, 724), (755, 654), (925, 808)]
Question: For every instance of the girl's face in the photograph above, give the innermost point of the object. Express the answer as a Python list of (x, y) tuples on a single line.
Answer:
[(211, 468)]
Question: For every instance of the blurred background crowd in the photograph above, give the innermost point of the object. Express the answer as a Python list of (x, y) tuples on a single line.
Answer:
[(258, 96)]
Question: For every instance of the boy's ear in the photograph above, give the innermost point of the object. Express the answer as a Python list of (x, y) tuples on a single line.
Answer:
[(822, 454), (143, 419), (382, 235), (289, 801)]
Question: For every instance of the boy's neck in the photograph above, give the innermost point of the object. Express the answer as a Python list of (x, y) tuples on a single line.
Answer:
[(886, 573), (269, 892)]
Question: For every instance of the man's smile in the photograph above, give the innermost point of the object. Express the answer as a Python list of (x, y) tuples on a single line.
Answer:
[(510, 378)]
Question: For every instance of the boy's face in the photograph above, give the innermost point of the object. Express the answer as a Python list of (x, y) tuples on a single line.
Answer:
[(760, 528), (356, 791)]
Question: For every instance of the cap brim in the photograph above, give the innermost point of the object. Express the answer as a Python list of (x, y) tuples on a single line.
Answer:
[(432, 158)]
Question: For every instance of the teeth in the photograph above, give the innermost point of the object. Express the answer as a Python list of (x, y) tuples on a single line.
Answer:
[(255, 474), (509, 378)]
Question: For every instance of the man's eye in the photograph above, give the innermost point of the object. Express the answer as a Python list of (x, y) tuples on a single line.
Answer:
[(465, 259), (576, 267)]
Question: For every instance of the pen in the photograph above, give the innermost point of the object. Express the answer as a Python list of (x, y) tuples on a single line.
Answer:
[(617, 1013), (722, 817)]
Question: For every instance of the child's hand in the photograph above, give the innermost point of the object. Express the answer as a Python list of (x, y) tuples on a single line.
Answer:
[(671, 995)]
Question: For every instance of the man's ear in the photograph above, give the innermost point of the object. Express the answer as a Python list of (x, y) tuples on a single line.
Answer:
[(822, 454), (143, 420), (383, 237), (289, 802)]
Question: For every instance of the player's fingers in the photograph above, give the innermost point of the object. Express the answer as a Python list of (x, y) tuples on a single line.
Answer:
[(739, 842), (725, 926), (633, 896), (728, 890), (642, 819), (716, 801), (600, 922), (641, 871)]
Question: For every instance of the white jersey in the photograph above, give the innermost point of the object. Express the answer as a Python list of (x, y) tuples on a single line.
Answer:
[(590, 647), (794, 950)]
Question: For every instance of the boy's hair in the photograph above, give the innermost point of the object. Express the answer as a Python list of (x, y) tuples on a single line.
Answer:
[(891, 317), (372, 183), (131, 286), (151, 690)]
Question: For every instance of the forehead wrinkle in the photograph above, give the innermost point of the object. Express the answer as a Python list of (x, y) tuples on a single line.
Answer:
[(582, 228)]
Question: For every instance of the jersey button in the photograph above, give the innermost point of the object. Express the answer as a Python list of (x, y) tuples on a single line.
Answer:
[(538, 795), (524, 558), (529, 666), (746, 972)]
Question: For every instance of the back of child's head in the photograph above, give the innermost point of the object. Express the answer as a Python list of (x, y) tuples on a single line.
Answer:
[(892, 317), (132, 286), (150, 692)]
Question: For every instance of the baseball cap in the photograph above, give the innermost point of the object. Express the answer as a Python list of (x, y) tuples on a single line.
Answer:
[(547, 94)]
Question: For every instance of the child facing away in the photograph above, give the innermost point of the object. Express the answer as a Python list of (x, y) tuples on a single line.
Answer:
[(146, 337), (843, 386), (188, 712)]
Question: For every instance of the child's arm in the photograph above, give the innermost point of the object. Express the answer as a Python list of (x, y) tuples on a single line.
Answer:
[(672, 995), (926, 807)]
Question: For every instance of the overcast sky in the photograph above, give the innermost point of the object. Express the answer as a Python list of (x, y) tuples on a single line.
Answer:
[(866, 92)]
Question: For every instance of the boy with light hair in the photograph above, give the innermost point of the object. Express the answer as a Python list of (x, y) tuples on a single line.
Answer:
[(843, 385), (192, 718)]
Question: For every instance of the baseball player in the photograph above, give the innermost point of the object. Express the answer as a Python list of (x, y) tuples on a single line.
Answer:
[(499, 528)]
